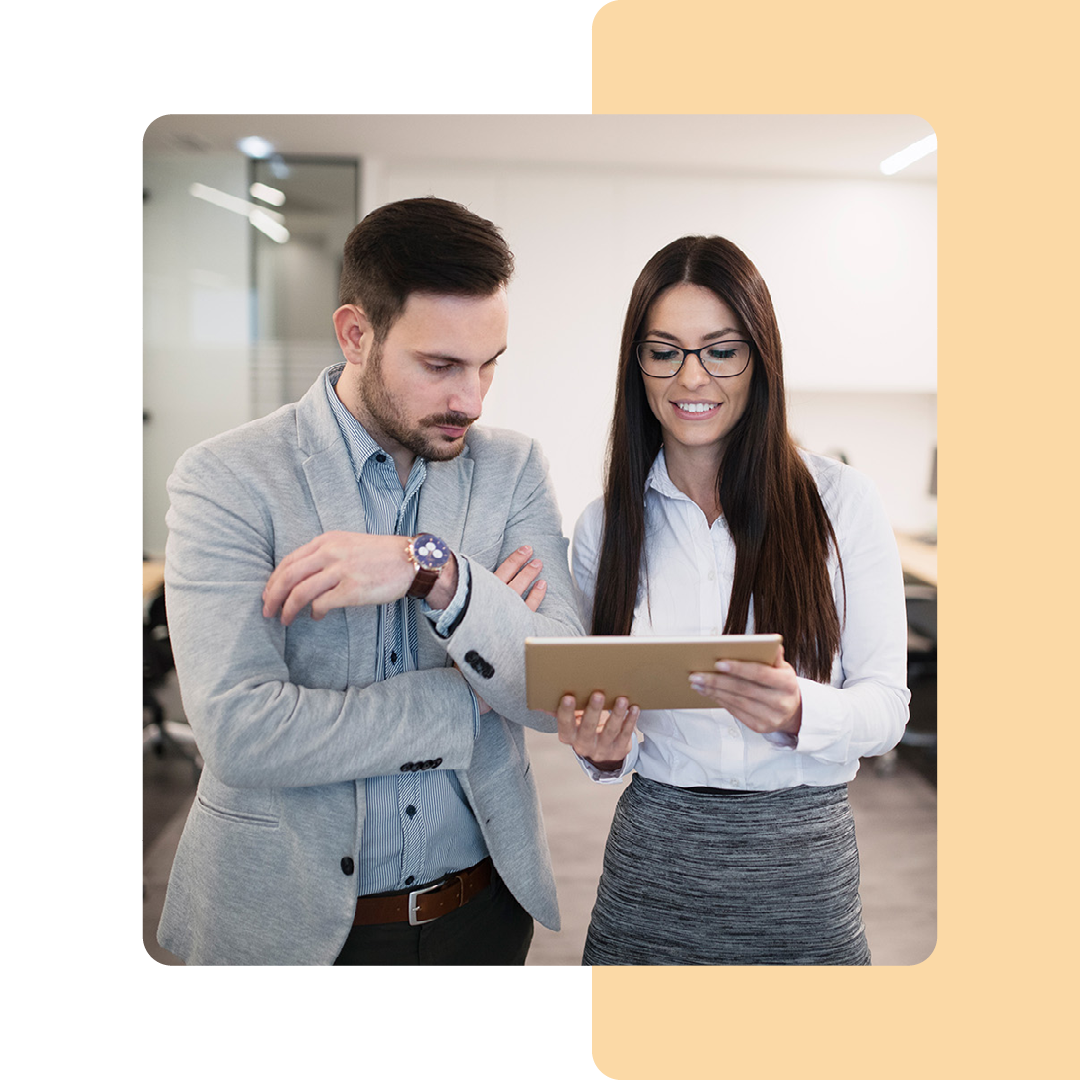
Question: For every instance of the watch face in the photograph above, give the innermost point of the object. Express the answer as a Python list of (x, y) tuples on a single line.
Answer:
[(431, 553)]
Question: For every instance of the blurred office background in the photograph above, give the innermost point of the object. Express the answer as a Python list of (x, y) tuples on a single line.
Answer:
[(242, 253), (238, 322)]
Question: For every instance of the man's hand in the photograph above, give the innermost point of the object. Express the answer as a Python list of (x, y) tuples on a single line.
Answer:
[(341, 569), (519, 572)]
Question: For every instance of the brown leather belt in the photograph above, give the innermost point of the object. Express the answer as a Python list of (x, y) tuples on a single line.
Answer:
[(425, 904)]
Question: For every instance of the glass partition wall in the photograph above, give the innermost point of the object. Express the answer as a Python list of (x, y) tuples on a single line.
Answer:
[(311, 205)]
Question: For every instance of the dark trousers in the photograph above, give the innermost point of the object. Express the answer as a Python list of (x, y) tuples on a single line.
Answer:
[(492, 928)]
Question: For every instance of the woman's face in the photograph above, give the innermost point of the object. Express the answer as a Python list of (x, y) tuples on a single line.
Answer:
[(695, 409)]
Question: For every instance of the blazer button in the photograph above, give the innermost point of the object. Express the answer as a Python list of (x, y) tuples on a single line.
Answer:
[(481, 666), (347, 866), (407, 767), (438, 762)]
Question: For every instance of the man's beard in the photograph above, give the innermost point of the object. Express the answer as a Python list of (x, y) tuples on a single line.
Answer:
[(387, 412)]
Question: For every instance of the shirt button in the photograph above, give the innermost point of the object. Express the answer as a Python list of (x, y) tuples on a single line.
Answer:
[(393, 658), (716, 630), (712, 575), (409, 880), (410, 810), (380, 458)]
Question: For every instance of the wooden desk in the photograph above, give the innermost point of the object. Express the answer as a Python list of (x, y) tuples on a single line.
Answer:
[(153, 576), (918, 558)]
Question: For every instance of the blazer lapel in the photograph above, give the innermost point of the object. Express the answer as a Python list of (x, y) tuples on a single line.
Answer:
[(336, 497), (444, 498), (442, 510)]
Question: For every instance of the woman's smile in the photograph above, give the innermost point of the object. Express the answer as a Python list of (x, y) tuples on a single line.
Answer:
[(696, 410)]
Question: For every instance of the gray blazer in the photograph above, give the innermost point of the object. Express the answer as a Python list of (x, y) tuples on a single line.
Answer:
[(289, 721)]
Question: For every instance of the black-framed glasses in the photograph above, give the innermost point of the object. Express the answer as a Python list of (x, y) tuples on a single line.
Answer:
[(721, 359)]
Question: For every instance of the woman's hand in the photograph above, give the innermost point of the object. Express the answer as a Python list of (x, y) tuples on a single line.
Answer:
[(764, 698), (603, 738)]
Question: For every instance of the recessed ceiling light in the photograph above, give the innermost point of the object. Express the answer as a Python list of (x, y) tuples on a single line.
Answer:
[(255, 146)]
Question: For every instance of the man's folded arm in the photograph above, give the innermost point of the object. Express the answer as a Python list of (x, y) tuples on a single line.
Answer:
[(488, 644), (254, 726)]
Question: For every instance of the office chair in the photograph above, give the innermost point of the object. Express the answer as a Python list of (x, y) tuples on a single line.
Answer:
[(161, 733), (921, 733), (919, 742)]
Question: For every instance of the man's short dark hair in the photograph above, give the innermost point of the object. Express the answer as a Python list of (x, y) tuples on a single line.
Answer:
[(420, 245)]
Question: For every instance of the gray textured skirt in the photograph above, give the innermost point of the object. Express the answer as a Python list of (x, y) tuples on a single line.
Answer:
[(767, 877)]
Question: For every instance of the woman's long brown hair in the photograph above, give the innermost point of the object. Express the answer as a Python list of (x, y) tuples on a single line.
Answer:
[(781, 531)]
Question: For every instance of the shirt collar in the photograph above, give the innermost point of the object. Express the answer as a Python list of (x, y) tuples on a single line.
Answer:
[(659, 481), (360, 444)]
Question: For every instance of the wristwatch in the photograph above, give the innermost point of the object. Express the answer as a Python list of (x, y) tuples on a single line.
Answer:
[(429, 555)]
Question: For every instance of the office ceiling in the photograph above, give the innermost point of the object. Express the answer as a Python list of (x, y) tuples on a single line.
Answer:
[(808, 146)]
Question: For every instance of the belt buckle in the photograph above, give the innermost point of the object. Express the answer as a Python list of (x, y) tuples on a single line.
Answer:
[(413, 920)]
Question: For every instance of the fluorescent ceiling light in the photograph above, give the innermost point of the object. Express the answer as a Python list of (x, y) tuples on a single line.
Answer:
[(263, 221), (268, 221), (909, 154), (255, 146), (267, 194)]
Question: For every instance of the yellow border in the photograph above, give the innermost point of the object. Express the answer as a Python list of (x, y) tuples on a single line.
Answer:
[(996, 84)]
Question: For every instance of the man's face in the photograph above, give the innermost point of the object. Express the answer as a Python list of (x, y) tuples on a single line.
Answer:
[(425, 385)]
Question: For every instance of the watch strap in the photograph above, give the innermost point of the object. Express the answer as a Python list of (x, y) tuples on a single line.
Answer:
[(429, 555), (423, 583)]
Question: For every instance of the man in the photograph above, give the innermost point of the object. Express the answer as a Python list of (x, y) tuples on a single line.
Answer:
[(349, 584)]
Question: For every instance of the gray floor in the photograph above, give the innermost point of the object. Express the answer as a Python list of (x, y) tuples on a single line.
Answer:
[(895, 815)]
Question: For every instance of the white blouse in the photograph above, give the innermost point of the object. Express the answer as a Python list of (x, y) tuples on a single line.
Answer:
[(691, 566)]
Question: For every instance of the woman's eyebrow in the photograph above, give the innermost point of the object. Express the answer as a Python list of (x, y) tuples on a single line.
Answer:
[(664, 335)]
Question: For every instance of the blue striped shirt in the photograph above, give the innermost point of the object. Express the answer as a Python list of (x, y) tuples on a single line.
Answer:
[(419, 826)]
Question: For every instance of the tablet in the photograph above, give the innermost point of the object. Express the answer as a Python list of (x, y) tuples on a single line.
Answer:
[(653, 673)]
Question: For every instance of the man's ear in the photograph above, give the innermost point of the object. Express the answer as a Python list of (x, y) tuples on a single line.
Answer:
[(354, 333)]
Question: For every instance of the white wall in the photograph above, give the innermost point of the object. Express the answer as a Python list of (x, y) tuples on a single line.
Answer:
[(889, 436), (851, 266)]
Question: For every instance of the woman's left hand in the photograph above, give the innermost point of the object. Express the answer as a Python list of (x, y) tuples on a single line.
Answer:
[(764, 698)]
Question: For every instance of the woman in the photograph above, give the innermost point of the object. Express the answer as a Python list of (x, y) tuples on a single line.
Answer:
[(734, 843)]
